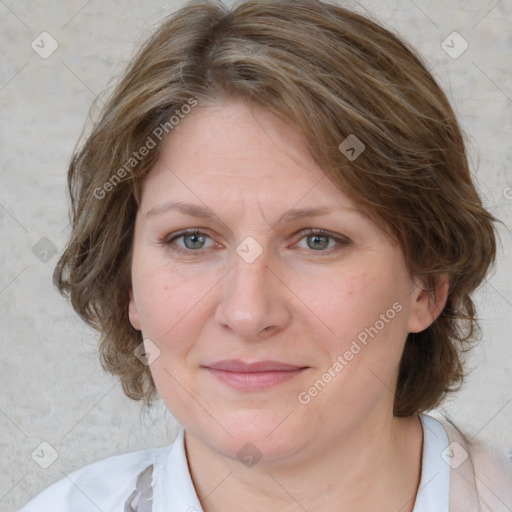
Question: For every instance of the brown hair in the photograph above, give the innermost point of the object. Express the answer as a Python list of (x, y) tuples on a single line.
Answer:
[(332, 73)]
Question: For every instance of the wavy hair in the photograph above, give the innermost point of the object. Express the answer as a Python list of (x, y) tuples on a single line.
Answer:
[(331, 73)]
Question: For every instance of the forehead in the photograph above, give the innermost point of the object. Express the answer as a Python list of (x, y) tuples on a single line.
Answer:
[(231, 148)]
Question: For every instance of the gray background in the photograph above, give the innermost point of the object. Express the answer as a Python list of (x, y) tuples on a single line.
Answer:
[(52, 387)]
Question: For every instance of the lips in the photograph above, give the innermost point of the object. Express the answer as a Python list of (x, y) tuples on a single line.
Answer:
[(255, 376), (235, 365)]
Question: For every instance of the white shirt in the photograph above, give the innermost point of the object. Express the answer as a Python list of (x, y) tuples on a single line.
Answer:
[(106, 485)]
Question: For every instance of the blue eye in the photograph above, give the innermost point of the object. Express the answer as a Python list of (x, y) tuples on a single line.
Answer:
[(318, 240), (194, 241)]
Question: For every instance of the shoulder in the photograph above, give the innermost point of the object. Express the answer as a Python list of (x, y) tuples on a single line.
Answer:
[(493, 475), (487, 467), (102, 485)]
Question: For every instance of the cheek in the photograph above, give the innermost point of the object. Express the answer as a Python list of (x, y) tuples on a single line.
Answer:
[(366, 313), (356, 300), (167, 304), (170, 309)]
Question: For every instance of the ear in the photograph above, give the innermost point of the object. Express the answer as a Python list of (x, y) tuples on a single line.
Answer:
[(133, 314), (427, 303)]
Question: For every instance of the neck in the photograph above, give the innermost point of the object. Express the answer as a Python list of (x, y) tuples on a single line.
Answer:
[(369, 470)]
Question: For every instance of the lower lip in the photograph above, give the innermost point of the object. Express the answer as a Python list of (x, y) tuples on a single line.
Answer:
[(254, 381)]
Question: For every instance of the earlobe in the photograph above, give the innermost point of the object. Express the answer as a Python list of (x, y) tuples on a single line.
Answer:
[(427, 304), (132, 312)]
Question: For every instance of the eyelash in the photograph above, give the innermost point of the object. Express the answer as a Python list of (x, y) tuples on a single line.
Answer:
[(168, 241)]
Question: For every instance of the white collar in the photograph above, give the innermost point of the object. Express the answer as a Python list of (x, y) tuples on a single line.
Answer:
[(434, 489), (173, 486)]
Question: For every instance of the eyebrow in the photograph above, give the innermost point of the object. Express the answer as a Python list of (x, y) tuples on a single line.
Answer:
[(185, 208), (201, 212)]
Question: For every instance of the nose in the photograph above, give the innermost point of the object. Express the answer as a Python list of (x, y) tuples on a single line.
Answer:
[(254, 302)]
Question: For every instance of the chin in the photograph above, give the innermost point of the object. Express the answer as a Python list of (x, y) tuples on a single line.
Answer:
[(256, 434)]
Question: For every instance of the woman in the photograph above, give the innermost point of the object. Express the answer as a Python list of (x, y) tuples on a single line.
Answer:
[(275, 229)]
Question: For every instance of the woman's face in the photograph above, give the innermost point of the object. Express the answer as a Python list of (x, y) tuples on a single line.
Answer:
[(252, 283)]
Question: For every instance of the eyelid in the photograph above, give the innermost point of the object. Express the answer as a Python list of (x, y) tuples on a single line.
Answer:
[(168, 240), (323, 232)]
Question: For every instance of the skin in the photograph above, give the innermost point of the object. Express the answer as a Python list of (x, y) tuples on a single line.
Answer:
[(295, 303)]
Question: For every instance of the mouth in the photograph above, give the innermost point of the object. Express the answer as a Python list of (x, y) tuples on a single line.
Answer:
[(253, 376)]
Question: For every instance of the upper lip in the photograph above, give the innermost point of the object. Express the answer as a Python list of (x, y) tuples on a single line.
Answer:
[(235, 365)]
